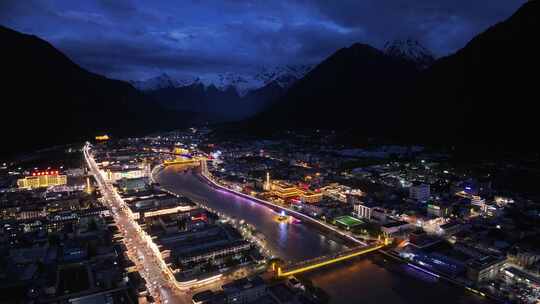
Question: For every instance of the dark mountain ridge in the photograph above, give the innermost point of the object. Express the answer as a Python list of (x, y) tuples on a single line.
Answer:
[(51, 100), (483, 95), (486, 92), (357, 85), (216, 104)]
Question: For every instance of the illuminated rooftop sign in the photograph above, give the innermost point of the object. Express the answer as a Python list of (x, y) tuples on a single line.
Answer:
[(102, 137)]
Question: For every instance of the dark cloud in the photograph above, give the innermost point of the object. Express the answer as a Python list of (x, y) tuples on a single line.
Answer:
[(442, 25), (138, 38)]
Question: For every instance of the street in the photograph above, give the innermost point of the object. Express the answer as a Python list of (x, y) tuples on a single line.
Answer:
[(141, 250)]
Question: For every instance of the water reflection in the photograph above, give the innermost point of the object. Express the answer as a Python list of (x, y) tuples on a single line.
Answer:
[(363, 280), (292, 242)]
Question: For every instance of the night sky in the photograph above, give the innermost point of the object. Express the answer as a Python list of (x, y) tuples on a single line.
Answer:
[(139, 39)]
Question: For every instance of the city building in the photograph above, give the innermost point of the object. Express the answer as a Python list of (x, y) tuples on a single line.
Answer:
[(438, 210), (132, 184), (214, 252), (363, 210), (395, 227), (311, 197), (115, 174), (245, 290), (42, 180), (285, 191), (485, 268), (420, 192), (354, 197), (450, 228)]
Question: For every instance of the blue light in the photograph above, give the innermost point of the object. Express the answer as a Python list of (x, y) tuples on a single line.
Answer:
[(423, 270)]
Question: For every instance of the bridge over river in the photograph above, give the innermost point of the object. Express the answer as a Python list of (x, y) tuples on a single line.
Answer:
[(315, 263)]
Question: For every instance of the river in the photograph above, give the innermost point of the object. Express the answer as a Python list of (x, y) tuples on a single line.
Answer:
[(371, 279)]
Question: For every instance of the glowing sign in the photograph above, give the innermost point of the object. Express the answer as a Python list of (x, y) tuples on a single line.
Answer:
[(102, 137)]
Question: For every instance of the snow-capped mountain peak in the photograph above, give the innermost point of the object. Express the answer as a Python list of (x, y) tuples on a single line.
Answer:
[(284, 76), (163, 81), (410, 49), (224, 81)]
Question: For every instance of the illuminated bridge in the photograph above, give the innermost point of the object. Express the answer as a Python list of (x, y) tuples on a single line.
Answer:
[(311, 264), (184, 161)]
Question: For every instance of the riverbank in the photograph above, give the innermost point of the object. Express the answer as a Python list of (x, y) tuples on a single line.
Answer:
[(350, 240), (366, 280)]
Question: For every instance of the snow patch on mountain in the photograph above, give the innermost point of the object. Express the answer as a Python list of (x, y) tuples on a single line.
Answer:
[(163, 81), (410, 49), (285, 75)]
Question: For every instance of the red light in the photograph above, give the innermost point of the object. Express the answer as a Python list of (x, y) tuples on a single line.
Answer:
[(34, 174), (201, 217)]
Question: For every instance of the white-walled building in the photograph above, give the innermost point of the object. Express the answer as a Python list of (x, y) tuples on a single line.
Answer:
[(362, 211)]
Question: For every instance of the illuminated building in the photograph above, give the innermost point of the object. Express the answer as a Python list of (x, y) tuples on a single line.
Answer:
[(41, 180), (116, 174), (284, 191), (180, 151), (287, 191), (438, 210), (311, 197)]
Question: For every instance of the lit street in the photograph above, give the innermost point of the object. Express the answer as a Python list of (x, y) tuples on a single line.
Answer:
[(142, 251)]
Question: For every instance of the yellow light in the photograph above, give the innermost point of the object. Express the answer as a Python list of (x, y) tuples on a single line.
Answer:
[(102, 137), (328, 262)]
